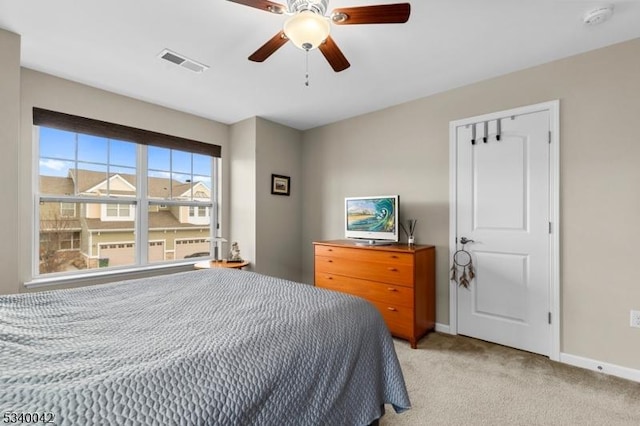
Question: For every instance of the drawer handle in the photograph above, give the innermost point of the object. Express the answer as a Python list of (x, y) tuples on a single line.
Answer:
[(329, 278), (392, 289), (394, 256), (391, 309), (392, 269), (330, 261), (329, 249)]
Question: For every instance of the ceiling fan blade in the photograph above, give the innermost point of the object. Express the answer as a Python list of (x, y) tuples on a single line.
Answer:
[(267, 49), (334, 55), (379, 14), (266, 5)]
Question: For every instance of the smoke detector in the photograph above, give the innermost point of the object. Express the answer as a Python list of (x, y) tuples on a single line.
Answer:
[(182, 61), (598, 15)]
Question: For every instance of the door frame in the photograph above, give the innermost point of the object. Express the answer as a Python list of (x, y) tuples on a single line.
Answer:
[(554, 205)]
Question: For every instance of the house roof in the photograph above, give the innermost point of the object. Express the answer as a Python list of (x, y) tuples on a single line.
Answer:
[(160, 188), (60, 225), (157, 220), (56, 185)]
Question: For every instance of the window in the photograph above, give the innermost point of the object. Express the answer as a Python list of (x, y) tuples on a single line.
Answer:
[(67, 209), (114, 196), (118, 212), (195, 211)]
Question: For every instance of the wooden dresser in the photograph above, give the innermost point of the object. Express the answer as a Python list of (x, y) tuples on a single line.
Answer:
[(397, 279)]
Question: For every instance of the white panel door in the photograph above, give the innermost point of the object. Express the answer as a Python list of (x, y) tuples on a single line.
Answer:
[(503, 206)]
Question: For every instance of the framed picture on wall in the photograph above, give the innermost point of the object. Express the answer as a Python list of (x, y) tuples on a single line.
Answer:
[(280, 185)]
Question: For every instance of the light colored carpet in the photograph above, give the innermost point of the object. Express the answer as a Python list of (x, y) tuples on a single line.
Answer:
[(456, 380)]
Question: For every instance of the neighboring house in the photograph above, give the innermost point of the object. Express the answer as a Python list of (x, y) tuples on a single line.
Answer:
[(84, 235)]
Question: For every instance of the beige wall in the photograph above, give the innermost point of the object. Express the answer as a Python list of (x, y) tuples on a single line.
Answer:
[(93, 211), (404, 150), (9, 164), (267, 227), (243, 189), (278, 218)]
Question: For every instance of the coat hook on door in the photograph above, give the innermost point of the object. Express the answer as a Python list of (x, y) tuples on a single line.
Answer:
[(486, 132), (498, 129), (473, 134)]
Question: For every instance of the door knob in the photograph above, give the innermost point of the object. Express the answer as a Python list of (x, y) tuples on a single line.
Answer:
[(464, 240)]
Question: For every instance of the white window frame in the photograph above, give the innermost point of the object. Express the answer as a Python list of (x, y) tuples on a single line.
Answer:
[(139, 214)]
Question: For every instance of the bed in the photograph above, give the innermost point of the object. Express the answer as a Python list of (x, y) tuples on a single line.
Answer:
[(216, 346)]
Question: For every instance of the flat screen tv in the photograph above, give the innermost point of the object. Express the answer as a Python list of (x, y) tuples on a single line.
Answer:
[(372, 220)]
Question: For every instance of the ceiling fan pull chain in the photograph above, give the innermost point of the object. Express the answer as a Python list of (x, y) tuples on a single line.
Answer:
[(306, 82)]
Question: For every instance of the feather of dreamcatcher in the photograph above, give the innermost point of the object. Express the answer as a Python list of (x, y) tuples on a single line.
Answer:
[(464, 281), (472, 273)]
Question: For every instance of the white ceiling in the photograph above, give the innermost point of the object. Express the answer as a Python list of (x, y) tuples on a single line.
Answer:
[(114, 44)]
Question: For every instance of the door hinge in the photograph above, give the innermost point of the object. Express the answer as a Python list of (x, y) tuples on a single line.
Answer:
[(549, 136), (550, 227), (549, 317)]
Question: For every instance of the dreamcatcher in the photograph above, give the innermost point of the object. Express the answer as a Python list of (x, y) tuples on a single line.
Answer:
[(462, 271)]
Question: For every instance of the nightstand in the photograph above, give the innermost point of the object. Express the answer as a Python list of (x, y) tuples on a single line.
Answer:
[(209, 264)]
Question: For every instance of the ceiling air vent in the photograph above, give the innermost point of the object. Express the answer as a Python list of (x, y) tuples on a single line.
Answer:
[(182, 61)]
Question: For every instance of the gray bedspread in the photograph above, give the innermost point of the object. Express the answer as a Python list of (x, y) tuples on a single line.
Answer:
[(209, 347)]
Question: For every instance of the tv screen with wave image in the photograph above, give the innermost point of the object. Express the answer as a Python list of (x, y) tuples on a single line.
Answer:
[(374, 220)]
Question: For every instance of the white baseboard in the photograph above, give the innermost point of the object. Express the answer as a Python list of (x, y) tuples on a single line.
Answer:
[(601, 367), (443, 328)]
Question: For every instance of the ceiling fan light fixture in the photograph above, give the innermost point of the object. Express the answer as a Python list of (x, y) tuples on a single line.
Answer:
[(307, 30)]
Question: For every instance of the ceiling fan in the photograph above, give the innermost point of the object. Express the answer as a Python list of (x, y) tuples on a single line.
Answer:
[(308, 27)]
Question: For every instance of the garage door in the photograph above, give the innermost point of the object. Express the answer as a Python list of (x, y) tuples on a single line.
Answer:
[(118, 254), (156, 251), (192, 247)]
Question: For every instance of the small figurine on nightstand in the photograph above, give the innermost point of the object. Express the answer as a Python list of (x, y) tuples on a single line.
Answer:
[(234, 254)]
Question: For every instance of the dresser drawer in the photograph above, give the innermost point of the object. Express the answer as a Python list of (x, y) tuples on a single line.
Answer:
[(399, 319), (401, 274), (370, 290), (367, 255)]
